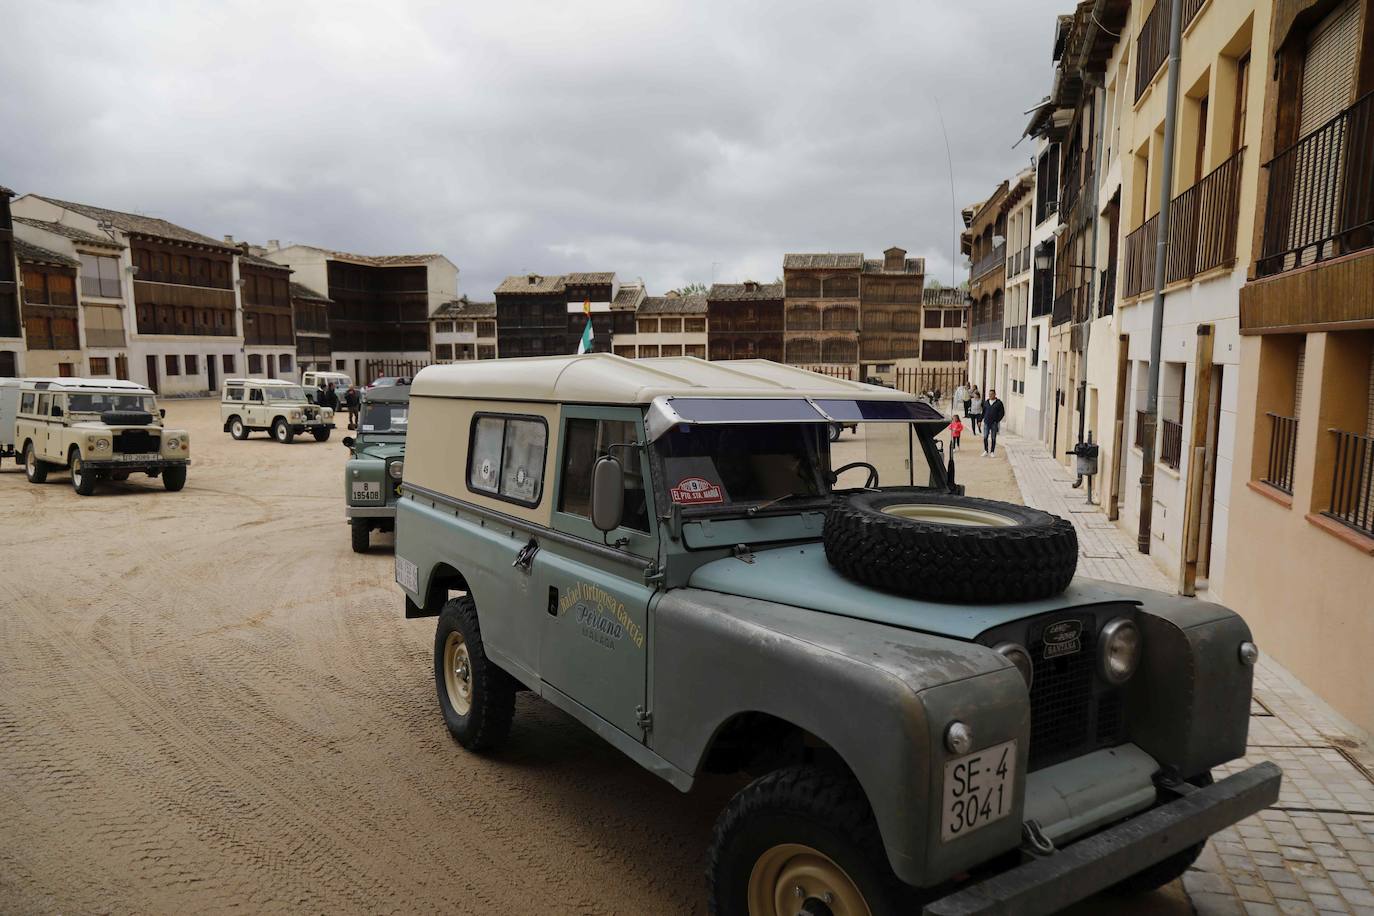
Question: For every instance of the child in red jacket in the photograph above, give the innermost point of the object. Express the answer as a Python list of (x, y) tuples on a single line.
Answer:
[(956, 429)]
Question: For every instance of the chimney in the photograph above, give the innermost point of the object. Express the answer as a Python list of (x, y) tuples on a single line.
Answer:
[(534, 279), (229, 239), (751, 286), (273, 244)]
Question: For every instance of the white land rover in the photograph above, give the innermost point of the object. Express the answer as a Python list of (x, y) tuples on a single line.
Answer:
[(273, 405)]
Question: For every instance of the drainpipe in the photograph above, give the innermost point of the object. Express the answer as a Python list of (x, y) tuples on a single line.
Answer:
[(1093, 280), (1166, 187)]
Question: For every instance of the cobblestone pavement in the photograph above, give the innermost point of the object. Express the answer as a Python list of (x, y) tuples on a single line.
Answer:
[(1313, 852)]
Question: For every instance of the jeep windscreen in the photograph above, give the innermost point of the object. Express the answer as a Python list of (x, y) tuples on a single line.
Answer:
[(723, 467), (101, 401), (286, 393), (384, 419)]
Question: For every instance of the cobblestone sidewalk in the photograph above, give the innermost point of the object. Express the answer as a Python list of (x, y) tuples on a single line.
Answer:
[(1313, 852)]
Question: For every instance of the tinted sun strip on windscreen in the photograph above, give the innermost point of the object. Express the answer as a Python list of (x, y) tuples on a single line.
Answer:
[(878, 411), (745, 410)]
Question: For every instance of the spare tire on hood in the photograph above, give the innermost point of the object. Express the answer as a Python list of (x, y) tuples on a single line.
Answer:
[(126, 418), (944, 547)]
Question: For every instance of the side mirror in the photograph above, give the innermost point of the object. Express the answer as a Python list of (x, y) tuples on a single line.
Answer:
[(162, 412), (348, 441), (608, 493)]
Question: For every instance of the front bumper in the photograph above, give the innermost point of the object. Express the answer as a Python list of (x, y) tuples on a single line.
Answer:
[(306, 427), (108, 464), (370, 511), (1099, 861)]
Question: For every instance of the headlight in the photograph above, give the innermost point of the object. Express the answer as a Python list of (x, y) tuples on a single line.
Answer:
[(395, 469), (328, 413), (101, 444), (295, 414), (1018, 656), (172, 442), (1120, 641)]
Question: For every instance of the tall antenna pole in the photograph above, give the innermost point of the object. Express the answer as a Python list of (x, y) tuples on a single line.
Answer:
[(953, 206)]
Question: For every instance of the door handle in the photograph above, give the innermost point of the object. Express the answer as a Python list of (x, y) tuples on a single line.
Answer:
[(525, 557)]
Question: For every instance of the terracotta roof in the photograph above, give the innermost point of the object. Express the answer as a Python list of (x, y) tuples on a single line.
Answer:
[(673, 305), (531, 283), (946, 296), (256, 261), (628, 298), (30, 252), (589, 279), (462, 308), (744, 291), (135, 224), (301, 291), (849, 261), (69, 232)]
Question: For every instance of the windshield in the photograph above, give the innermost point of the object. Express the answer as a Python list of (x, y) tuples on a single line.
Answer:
[(731, 464), (384, 418), (101, 401), (286, 393)]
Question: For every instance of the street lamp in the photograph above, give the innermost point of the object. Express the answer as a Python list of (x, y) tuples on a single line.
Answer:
[(1044, 257)]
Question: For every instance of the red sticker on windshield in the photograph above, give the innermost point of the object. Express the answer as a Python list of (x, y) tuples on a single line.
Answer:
[(697, 491)]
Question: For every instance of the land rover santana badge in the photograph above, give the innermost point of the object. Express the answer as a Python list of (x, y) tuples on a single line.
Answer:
[(1063, 637)]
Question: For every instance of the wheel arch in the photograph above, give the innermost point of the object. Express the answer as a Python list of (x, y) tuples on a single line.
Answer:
[(229, 421), (758, 742), (444, 579)]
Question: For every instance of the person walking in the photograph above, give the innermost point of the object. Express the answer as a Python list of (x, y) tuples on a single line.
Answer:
[(961, 399), (993, 412), (328, 398), (975, 409), (351, 402), (956, 429)]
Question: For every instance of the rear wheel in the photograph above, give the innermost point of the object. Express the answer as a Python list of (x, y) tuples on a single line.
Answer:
[(476, 697), (282, 432), (802, 839), (83, 479), (237, 429), (321, 433), (362, 535), (35, 469), (174, 479)]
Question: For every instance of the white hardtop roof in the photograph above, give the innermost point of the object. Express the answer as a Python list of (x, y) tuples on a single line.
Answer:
[(321, 373), (260, 381), (603, 378), (84, 384)]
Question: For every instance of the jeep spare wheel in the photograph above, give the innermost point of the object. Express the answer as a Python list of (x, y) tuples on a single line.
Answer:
[(950, 548), (126, 418)]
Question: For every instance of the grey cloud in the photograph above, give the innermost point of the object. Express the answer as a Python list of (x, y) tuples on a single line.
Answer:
[(672, 142)]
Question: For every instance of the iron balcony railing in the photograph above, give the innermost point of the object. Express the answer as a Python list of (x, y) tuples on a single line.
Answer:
[(1152, 45), (1140, 259), (1063, 307), (1140, 429), (1107, 292), (1283, 451), (1321, 193), (1170, 443), (1352, 482), (989, 262)]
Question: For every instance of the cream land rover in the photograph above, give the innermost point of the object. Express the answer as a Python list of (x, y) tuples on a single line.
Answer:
[(272, 405), (99, 429)]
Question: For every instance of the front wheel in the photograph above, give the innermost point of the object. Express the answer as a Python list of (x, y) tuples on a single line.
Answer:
[(282, 432), (362, 535), (321, 433), (802, 839), (174, 479), (35, 469), (476, 697), (83, 480), (237, 429), (1167, 870)]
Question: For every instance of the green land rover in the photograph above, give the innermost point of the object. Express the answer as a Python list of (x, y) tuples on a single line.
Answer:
[(372, 476), (674, 552)]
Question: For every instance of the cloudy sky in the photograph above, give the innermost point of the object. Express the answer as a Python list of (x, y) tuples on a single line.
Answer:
[(677, 142)]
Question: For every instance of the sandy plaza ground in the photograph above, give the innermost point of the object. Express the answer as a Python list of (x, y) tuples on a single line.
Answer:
[(208, 702)]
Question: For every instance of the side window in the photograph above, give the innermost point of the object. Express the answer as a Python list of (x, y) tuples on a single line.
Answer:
[(57, 405), (506, 458), (586, 440), (255, 394), (26, 403), (43, 401), (233, 394)]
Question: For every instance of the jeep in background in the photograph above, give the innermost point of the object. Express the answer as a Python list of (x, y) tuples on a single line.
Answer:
[(934, 712), (372, 476), (274, 406), (312, 379), (98, 429)]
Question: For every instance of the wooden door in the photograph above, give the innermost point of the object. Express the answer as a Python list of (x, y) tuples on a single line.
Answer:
[(152, 374)]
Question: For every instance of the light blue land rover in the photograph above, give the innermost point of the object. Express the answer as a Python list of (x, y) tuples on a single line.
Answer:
[(372, 476), (674, 552)]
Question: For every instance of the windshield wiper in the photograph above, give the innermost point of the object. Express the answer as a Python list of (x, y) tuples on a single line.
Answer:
[(754, 510)]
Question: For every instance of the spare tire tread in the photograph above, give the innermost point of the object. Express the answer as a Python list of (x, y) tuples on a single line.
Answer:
[(1035, 558), (126, 418)]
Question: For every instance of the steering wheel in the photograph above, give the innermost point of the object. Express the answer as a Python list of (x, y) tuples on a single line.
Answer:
[(872, 473)]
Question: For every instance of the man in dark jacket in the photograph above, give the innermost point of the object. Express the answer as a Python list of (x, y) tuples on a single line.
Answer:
[(993, 412), (328, 398), (351, 402)]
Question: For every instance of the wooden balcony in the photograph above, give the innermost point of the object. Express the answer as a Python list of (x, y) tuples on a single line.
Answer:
[(989, 262)]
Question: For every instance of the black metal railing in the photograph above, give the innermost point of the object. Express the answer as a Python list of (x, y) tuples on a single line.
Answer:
[(1202, 222), (1140, 258), (1352, 482), (1283, 451), (1063, 307), (1151, 46), (1140, 429), (1106, 302), (1171, 443), (989, 262), (1321, 193)]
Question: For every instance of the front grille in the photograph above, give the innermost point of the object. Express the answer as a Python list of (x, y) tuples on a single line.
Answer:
[(312, 413), (1073, 711), (136, 442)]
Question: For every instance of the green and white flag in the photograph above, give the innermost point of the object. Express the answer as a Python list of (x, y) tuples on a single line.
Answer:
[(585, 344)]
